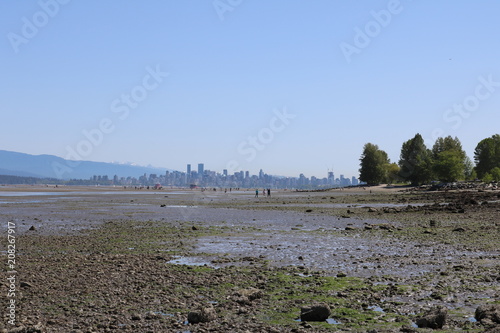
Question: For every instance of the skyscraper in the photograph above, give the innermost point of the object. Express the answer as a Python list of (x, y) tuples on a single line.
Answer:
[(200, 169), (331, 178), (188, 174)]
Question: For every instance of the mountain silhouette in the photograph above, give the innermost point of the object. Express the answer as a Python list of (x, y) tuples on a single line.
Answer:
[(49, 166)]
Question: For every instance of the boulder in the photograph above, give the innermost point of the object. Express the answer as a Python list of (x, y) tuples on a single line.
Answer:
[(434, 318), (488, 314), (204, 315), (251, 293), (246, 296), (317, 312)]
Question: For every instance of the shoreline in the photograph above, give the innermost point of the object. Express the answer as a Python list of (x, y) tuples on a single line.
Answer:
[(90, 242)]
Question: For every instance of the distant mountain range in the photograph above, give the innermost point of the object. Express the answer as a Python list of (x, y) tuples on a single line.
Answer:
[(49, 166)]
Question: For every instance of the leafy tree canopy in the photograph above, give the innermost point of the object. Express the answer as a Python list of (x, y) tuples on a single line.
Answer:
[(415, 161), (487, 155), (449, 159), (373, 166)]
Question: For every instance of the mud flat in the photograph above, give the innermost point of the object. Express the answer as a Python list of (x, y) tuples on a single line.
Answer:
[(114, 259)]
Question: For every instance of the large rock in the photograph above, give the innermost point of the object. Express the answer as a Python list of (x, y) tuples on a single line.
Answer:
[(317, 312), (251, 293), (246, 296), (204, 315), (434, 318), (488, 314)]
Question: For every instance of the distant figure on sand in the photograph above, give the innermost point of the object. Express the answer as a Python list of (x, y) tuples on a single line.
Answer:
[(256, 193), (268, 192)]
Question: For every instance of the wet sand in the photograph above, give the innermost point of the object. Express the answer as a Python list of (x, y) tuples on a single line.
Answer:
[(94, 247)]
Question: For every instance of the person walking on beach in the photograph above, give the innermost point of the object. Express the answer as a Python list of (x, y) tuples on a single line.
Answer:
[(256, 193), (268, 192)]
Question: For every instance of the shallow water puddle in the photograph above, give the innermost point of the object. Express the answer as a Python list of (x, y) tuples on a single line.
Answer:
[(190, 261), (376, 308), (328, 320)]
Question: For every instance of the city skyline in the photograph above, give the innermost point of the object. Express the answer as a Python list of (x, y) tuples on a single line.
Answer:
[(209, 178), (329, 178), (242, 179)]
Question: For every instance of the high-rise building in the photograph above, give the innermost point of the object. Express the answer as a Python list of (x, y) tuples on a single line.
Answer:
[(200, 169), (188, 170), (331, 178)]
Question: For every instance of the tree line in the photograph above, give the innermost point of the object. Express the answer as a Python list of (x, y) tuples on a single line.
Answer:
[(8, 179), (445, 162)]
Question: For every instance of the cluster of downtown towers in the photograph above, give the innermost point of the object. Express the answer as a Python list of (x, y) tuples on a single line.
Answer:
[(242, 179)]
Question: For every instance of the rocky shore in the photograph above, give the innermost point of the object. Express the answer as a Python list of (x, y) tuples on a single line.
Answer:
[(180, 261)]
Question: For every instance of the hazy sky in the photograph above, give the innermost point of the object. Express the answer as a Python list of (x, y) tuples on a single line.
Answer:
[(287, 86)]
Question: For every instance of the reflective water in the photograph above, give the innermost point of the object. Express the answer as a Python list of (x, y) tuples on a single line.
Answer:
[(376, 308), (59, 193), (190, 261)]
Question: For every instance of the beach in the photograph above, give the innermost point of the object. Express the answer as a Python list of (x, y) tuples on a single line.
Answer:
[(105, 259)]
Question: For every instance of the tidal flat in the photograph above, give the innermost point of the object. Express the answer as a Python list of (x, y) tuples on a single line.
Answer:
[(175, 260)]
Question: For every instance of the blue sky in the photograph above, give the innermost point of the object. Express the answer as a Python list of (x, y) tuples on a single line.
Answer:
[(339, 74)]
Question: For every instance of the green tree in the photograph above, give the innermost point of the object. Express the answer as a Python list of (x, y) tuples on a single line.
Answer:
[(487, 155), (392, 173), (447, 143), (415, 161), (373, 166), (449, 166), (449, 159), (495, 173), (487, 178)]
